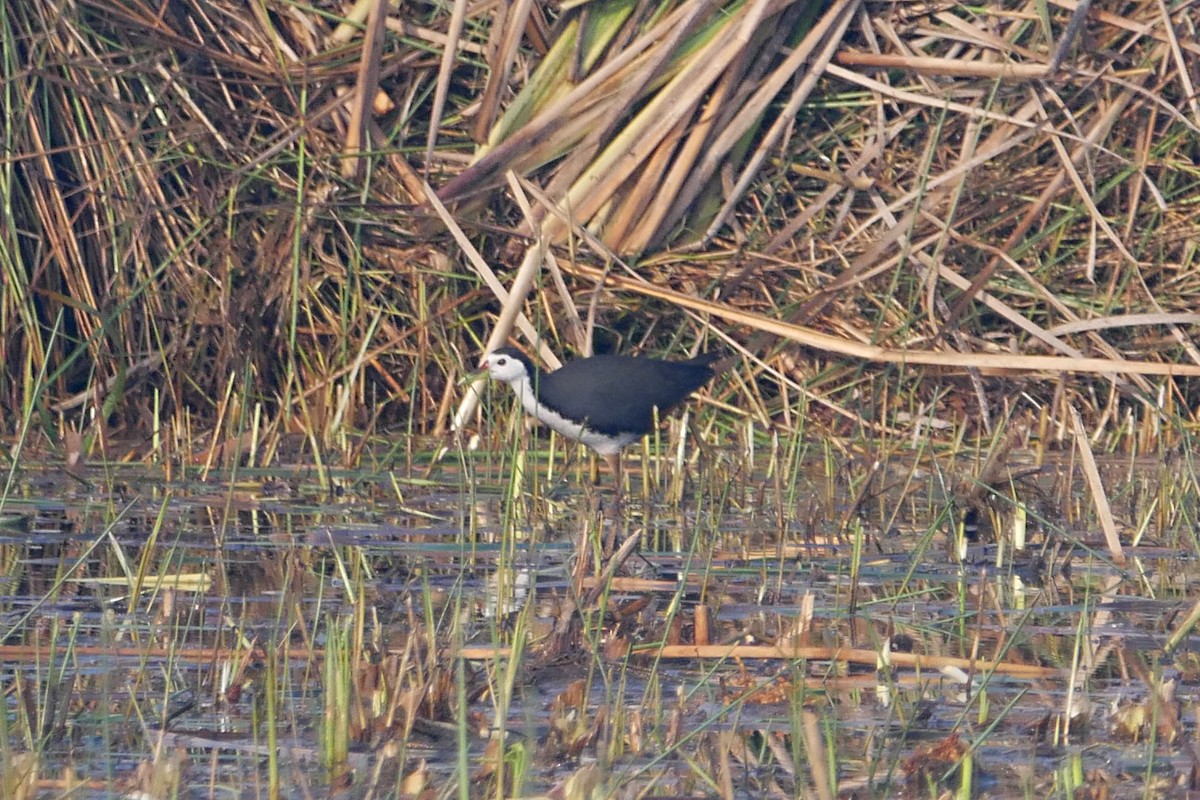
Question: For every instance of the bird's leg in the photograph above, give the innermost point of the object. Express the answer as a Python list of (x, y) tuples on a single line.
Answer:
[(614, 466)]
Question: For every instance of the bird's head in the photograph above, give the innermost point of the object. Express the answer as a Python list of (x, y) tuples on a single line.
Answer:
[(507, 364)]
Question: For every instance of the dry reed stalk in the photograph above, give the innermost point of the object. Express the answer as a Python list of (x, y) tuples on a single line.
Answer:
[(179, 219)]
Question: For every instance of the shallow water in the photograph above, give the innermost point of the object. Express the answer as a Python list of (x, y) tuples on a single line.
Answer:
[(179, 633)]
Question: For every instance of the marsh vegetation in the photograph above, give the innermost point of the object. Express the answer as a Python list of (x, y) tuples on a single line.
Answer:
[(262, 534)]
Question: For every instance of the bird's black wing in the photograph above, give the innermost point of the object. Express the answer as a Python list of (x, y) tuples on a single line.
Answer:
[(618, 394)]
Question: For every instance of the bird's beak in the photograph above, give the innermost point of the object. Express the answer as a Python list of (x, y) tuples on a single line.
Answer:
[(477, 374)]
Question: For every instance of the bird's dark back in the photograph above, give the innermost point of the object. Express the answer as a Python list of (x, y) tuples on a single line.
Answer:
[(618, 394)]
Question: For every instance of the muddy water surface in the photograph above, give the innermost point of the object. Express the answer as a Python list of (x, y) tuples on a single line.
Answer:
[(376, 635)]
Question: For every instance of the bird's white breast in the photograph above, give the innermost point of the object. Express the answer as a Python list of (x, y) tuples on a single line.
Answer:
[(604, 445)]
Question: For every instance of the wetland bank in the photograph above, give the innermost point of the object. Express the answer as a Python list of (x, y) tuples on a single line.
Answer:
[(262, 534)]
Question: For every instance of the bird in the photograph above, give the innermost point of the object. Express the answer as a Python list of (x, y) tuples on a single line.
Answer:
[(606, 402)]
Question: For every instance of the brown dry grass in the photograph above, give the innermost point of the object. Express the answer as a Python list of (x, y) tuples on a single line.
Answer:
[(217, 207)]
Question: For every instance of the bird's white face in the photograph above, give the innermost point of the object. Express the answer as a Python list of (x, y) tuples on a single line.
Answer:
[(502, 367)]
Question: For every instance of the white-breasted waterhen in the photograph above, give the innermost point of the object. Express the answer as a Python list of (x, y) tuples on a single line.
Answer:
[(607, 402)]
